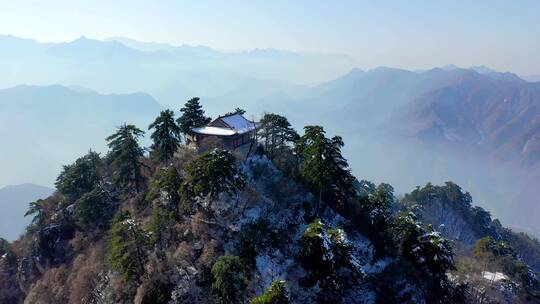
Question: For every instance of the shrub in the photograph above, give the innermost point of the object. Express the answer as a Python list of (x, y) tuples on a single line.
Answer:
[(275, 294), (228, 280), (93, 210), (80, 177), (214, 172), (166, 183), (253, 238), (326, 255)]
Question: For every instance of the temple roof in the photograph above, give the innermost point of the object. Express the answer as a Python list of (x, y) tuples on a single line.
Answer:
[(227, 125)]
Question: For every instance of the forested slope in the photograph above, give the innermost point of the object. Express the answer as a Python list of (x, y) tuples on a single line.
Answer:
[(285, 222)]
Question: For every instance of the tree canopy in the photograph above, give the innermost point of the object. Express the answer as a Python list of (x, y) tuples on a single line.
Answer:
[(166, 135), (430, 252), (125, 155), (275, 133), (326, 255), (214, 172), (36, 209), (228, 280), (239, 111), (323, 167), (276, 293), (192, 116), (129, 243), (94, 209), (80, 177)]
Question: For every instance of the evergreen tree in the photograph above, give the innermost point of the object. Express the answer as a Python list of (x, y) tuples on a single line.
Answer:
[(429, 251), (36, 209), (166, 136), (499, 256), (214, 172), (162, 226), (192, 116), (423, 247), (129, 244), (376, 206), (229, 280), (80, 177), (125, 155), (165, 211), (93, 210), (239, 111), (166, 184), (275, 133), (324, 168), (4, 246), (326, 255), (187, 203), (276, 293)]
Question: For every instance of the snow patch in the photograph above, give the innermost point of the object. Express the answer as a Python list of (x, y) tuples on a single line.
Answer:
[(494, 276)]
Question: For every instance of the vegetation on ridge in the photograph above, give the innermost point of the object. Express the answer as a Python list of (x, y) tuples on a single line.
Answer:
[(287, 224)]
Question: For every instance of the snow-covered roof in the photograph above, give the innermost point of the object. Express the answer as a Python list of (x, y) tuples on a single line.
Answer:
[(234, 124), (214, 131), (239, 123)]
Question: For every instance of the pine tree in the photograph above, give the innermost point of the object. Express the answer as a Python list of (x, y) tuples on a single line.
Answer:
[(80, 177), (129, 244), (192, 116), (170, 184), (239, 111), (93, 210), (125, 155), (166, 136), (214, 172), (275, 133), (324, 168), (166, 185), (429, 251), (229, 280), (276, 293), (36, 209), (376, 204), (326, 255)]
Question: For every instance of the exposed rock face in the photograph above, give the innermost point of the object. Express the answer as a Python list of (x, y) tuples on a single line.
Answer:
[(449, 210), (270, 226), (444, 217), (10, 290), (28, 272)]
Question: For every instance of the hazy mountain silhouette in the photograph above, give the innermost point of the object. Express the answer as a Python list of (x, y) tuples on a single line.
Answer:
[(168, 73), (386, 143), (47, 127), (14, 202), (499, 117), (412, 126), (533, 78)]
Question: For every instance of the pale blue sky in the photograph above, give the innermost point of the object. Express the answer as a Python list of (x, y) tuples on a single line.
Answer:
[(410, 34)]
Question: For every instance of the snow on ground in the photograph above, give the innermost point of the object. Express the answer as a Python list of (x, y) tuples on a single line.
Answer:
[(494, 276)]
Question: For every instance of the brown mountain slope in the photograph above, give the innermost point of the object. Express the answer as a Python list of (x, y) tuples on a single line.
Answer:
[(496, 117)]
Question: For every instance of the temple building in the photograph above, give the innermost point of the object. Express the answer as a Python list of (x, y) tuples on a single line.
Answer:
[(231, 130)]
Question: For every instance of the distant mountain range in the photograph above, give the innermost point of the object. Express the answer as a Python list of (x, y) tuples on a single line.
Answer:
[(476, 126), (409, 128), (499, 117), (533, 78), (47, 127), (14, 202), (169, 73)]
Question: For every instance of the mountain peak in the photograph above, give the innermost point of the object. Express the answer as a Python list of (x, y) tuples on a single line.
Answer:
[(482, 69)]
